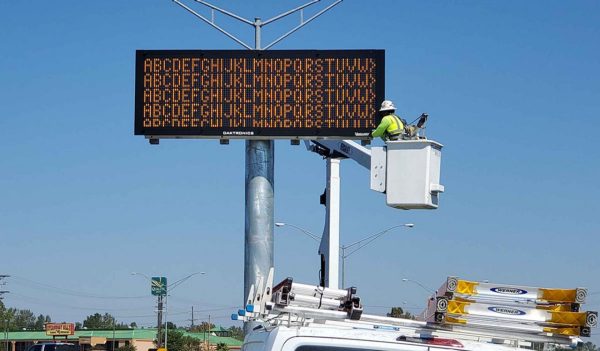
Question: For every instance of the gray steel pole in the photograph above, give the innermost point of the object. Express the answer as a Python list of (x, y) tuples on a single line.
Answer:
[(260, 161), (159, 323)]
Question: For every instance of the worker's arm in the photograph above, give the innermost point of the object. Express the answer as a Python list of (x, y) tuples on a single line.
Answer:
[(382, 127)]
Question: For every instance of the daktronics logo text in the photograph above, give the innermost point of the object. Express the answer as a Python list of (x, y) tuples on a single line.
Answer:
[(509, 291), (507, 310)]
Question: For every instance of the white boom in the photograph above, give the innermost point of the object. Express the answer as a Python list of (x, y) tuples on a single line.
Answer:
[(407, 171)]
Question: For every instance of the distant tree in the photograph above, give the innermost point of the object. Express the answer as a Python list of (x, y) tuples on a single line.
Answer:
[(78, 325), (176, 341), (129, 347), (94, 321), (39, 322), (23, 319), (236, 332), (398, 312), (171, 325), (133, 325), (202, 327), (105, 321), (222, 347), (19, 319)]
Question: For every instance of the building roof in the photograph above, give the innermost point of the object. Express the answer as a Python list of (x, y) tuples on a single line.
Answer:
[(147, 334), (126, 334)]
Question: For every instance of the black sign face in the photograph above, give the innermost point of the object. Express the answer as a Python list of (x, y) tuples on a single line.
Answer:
[(258, 94)]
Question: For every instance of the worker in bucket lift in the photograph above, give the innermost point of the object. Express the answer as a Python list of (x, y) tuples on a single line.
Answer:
[(391, 126)]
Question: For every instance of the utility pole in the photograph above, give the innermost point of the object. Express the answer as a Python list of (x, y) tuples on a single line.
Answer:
[(6, 335), (160, 311), (208, 339), (192, 327), (2, 292), (260, 157), (3, 283)]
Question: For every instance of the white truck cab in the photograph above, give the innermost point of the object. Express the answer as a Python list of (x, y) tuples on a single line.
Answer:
[(343, 338)]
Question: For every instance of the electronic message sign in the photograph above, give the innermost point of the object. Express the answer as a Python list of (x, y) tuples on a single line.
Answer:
[(258, 94)]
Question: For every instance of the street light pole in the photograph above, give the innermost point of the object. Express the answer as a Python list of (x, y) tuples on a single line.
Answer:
[(429, 290), (160, 304)]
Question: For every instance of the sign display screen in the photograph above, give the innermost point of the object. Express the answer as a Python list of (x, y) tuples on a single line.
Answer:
[(258, 94)]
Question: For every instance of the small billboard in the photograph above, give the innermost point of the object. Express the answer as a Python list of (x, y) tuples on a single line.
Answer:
[(58, 329)]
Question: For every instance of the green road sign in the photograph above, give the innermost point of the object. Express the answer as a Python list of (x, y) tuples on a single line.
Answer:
[(159, 286)]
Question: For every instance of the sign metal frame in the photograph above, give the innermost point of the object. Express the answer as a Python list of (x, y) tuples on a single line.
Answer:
[(257, 132)]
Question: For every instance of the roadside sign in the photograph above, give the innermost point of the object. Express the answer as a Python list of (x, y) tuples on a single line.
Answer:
[(57, 329), (159, 286)]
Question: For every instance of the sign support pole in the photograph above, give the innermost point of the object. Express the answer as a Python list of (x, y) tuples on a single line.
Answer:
[(260, 159), (259, 209)]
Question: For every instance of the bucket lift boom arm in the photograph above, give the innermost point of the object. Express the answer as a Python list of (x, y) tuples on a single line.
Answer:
[(329, 249), (417, 189)]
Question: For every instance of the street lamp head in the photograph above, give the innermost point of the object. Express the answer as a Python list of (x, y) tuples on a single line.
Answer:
[(279, 224), (404, 279), (409, 225)]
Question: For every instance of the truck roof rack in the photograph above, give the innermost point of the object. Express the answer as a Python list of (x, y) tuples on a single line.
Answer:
[(511, 307), (459, 310)]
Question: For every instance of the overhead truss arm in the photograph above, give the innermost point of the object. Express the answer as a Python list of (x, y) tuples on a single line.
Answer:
[(257, 24)]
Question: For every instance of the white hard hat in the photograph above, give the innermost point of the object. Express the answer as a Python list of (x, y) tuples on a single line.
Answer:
[(387, 105)]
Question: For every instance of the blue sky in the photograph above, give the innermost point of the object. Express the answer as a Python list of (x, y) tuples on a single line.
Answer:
[(512, 89)]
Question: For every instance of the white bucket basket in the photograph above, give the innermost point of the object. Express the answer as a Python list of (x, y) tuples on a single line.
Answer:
[(408, 171)]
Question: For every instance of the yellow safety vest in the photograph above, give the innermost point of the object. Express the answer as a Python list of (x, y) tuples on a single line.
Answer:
[(390, 125)]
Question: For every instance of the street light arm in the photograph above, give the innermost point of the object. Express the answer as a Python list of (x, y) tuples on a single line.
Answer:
[(431, 291), (372, 238), (304, 231), (182, 280), (376, 235), (142, 274)]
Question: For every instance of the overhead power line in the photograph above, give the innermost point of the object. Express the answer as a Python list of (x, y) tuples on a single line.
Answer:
[(29, 283)]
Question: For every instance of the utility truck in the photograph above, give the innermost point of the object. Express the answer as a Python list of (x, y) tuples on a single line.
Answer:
[(460, 315)]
